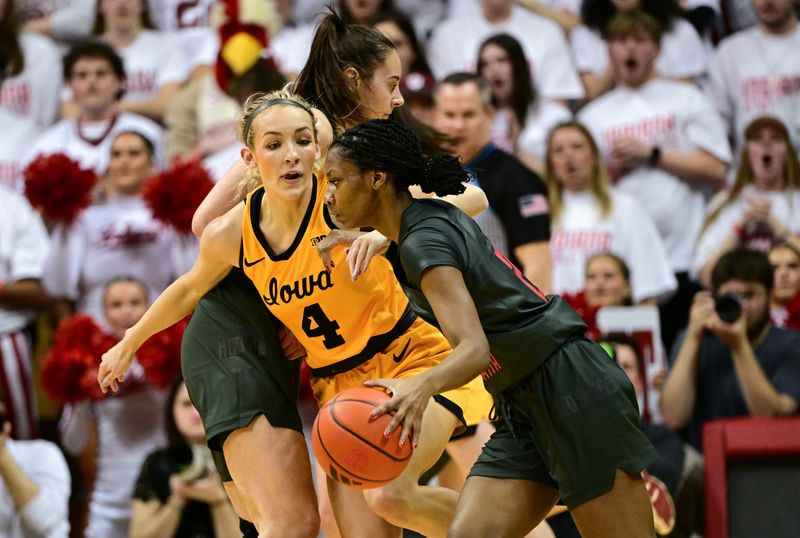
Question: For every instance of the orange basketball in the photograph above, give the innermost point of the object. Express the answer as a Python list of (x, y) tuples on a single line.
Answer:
[(350, 446)]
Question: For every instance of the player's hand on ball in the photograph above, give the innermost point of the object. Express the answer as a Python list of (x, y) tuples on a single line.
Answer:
[(113, 365), (409, 400)]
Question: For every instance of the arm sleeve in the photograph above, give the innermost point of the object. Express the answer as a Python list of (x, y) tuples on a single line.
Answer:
[(428, 246), (719, 85), (440, 51), (74, 20), (714, 235), (589, 50), (523, 208), (64, 262), (74, 427), (46, 515), (174, 68), (30, 246), (556, 75), (153, 481), (786, 378), (682, 52), (643, 250), (705, 128)]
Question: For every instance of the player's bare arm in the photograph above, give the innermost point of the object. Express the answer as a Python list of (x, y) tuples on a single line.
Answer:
[(218, 253), (453, 307)]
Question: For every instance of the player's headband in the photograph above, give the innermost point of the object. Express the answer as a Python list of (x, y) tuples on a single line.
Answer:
[(265, 105)]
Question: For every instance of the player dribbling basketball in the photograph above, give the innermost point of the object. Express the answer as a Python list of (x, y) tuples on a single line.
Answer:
[(351, 331), (570, 419)]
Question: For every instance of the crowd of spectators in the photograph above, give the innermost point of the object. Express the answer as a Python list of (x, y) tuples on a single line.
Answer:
[(633, 152)]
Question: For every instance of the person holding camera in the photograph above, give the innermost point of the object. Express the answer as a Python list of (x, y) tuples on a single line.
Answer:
[(34, 487), (731, 360)]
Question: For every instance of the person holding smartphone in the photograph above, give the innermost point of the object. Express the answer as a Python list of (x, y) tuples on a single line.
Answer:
[(179, 493)]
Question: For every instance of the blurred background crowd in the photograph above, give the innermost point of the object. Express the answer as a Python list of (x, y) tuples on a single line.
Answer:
[(640, 157)]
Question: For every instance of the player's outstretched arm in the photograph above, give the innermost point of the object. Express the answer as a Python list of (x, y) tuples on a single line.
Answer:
[(218, 253), (445, 290)]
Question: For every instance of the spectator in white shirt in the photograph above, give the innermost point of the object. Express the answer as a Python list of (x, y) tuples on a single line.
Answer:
[(664, 144), (34, 487), (589, 216), (521, 119), (763, 204), (32, 76), (23, 247), (682, 55), (155, 66), (96, 77), (455, 43), (756, 72)]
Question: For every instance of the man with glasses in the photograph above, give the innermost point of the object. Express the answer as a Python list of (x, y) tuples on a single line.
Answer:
[(731, 361)]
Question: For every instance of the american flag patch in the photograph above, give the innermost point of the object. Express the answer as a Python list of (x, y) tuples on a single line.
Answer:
[(532, 205)]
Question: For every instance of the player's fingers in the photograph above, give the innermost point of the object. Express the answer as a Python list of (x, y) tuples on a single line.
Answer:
[(396, 421), (380, 383), (416, 429), (362, 260)]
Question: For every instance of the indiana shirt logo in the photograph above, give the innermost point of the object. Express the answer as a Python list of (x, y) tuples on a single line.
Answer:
[(285, 293)]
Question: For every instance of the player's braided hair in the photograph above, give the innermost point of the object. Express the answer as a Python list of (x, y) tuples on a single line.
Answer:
[(390, 147)]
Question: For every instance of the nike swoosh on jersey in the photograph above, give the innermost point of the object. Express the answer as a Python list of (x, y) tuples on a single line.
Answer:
[(398, 358), (251, 264)]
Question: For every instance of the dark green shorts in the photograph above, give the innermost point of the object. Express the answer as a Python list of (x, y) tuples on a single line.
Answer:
[(234, 367), (570, 424)]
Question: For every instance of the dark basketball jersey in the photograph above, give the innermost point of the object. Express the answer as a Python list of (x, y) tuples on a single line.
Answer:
[(522, 325)]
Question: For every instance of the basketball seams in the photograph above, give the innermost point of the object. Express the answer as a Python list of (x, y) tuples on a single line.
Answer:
[(347, 438), (361, 438)]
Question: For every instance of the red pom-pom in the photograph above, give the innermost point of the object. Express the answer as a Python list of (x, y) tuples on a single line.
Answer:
[(587, 313), (175, 194), (58, 187), (160, 355), (69, 371), (793, 318)]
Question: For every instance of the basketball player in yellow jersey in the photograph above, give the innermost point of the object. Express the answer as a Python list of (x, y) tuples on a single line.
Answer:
[(352, 332)]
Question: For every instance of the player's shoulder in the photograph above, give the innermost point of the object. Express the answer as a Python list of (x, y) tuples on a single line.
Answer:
[(225, 230)]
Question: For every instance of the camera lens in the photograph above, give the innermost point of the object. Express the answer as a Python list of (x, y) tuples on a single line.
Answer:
[(728, 307)]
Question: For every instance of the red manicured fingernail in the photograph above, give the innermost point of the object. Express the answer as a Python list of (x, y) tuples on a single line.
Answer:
[(386, 433), (402, 442)]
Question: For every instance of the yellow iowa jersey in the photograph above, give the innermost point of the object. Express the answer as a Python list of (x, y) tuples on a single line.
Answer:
[(332, 316)]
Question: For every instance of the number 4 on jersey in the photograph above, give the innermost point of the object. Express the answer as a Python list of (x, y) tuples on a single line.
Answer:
[(326, 328)]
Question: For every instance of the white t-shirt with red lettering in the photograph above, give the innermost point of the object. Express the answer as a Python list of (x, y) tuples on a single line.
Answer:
[(113, 239), (675, 116), (627, 231), (754, 73), (36, 92)]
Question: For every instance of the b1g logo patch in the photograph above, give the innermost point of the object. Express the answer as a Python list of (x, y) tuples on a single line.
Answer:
[(316, 240)]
